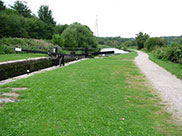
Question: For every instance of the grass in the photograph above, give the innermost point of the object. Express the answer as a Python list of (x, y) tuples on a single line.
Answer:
[(173, 68), (95, 97), (9, 57)]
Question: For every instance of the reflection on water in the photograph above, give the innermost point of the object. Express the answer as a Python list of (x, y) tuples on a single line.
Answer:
[(116, 51)]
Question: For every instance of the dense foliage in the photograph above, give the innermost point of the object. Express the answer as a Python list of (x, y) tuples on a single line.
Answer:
[(15, 25), (153, 42), (45, 14), (18, 21), (165, 48), (7, 45), (141, 39), (172, 53), (12, 24), (60, 28), (128, 44), (2, 6), (58, 39), (112, 41), (22, 8), (77, 35), (173, 39)]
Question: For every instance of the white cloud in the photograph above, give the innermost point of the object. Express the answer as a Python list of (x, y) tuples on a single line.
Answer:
[(118, 17)]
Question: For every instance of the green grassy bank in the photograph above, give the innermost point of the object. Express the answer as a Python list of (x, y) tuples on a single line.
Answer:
[(9, 57), (95, 97), (173, 68)]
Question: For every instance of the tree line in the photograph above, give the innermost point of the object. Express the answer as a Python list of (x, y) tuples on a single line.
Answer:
[(166, 48), (19, 21), (113, 41)]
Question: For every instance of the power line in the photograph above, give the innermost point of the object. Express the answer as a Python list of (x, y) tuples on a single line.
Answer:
[(96, 27)]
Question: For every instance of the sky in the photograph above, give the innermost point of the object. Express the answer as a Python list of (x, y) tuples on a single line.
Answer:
[(124, 18)]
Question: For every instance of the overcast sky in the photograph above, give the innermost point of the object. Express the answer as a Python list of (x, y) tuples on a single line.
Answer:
[(123, 18)]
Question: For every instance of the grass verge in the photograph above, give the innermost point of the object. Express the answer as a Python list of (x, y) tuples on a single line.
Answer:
[(93, 97), (9, 57), (173, 68)]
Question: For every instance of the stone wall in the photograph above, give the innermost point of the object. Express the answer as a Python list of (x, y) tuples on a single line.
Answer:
[(15, 68)]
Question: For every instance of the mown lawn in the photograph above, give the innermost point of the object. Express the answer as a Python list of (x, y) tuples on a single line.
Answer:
[(173, 68), (9, 57), (95, 97)]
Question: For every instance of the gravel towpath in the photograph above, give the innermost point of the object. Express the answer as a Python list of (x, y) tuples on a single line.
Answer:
[(168, 86)]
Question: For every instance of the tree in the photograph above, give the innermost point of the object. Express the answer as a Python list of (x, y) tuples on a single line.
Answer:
[(125, 45), (36, 29), (2, 6), (60, 28), (141, 39), (22, 8), (153, 42), (12, 25), (58, 39), (15, 25), (113, 41), (46, 15), (77, 35)]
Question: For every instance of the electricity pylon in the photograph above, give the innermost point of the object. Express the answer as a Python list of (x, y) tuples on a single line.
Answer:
[(96, 27)]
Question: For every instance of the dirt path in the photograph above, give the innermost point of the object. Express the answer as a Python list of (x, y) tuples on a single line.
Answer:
[(169, 87)]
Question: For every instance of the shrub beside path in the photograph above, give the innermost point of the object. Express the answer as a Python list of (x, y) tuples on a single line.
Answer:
[(168, 86)]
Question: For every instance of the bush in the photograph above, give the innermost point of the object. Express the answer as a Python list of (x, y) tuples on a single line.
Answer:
[(172, 53), (125, 45), (2, 49), (7, 45), (58, 39), (77, 35), (151, 43)]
